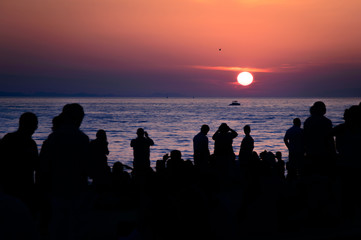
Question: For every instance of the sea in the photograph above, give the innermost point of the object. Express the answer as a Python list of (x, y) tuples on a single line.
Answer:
[(172, 122)]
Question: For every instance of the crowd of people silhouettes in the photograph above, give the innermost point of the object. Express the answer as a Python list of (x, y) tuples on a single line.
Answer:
[(60, 192)]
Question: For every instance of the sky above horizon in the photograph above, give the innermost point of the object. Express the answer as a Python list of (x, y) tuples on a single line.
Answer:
[(160, 48)]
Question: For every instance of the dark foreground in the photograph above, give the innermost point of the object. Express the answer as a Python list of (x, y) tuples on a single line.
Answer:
[(193, 204)]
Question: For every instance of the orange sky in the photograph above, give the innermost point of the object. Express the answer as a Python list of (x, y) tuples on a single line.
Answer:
[(144, 40)]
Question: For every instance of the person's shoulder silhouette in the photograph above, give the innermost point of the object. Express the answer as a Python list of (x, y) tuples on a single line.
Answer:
[(99, 146), (175, 163), (293, 138), (19, 155), (223, 138), (318, 130), (319, 142), (247, 143), (120, 178), (141, 150), (65, 153), (99, 169), (348, 136), (201, 148), (200, 141)]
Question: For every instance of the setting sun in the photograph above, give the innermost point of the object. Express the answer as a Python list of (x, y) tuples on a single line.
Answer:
[(245, 78)]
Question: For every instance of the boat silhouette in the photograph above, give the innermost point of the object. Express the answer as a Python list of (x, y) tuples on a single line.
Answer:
[(234, 103)]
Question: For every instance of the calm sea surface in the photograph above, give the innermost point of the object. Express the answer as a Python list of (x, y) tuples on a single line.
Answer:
[(172, 122)]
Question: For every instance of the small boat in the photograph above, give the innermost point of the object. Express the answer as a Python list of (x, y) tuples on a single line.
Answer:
[(234, 103)]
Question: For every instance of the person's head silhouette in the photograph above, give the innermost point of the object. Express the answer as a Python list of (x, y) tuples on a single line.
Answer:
[(297, 122), (247, 129), (118, 168), (175, 155), (279, 156), (205, 129), (73, 114), (28, 123), (140, 132), (223, 128), (319, 108), (57, 122), (101, 135), (353, 115)]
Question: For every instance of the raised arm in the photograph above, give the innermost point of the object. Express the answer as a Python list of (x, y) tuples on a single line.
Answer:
[(150, 141), (234, 134)]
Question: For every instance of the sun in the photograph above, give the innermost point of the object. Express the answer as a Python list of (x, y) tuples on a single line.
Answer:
[(245, 78)]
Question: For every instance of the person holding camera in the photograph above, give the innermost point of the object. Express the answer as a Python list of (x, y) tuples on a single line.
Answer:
[(223, 150), (141, 149)]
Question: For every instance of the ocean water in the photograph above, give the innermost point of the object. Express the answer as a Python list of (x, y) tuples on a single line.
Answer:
[(172, 122)]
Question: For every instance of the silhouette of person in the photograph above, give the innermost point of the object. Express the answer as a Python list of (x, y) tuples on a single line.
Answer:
[(100, 145), (120, 178), (57, 121), (160, 166), (348, 136), (248, 167), (247, 146), (223, 140), (223, 150), (19, 159), (348, 143), (294, 141), (175, 160), (319, 142), (64, 159), (269, 162), (201, 149), (99, 151), (175, 166), (141, 150), (65, 153)]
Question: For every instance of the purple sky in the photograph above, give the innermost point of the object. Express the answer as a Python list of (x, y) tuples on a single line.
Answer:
[(161, 48)]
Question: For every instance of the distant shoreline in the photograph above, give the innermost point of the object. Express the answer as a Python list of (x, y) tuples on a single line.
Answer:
[(21, 95)]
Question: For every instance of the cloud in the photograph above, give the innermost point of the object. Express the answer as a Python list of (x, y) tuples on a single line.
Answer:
[(295, 67), (233, 69)]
